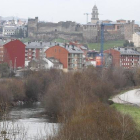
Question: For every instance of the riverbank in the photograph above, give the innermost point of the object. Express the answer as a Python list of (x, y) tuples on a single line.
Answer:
[(133, 111)]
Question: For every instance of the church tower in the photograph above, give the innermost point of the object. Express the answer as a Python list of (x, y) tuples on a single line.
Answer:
[(95, 14)]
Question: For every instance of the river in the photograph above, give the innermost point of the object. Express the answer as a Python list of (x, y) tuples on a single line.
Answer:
[(27, 122)]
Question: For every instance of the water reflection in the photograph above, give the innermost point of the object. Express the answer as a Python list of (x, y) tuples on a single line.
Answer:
[(30, 119)]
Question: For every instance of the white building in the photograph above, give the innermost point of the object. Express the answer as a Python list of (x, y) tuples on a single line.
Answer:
[(136, 39), (9, 30)]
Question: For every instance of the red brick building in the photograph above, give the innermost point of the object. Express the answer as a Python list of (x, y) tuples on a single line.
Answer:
[(125, 57), (70, 56), (14, 53)]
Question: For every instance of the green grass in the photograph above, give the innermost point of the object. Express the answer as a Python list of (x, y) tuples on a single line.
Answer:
[(24, 40), (107, 45), (133, 111), (60, 40)]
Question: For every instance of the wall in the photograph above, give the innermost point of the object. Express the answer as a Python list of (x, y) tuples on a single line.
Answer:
[(72, 31)]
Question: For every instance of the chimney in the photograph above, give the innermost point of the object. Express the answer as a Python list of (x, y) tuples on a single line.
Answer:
[(73, 47)]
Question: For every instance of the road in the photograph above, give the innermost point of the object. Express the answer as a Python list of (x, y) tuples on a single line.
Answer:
[(130, 97)]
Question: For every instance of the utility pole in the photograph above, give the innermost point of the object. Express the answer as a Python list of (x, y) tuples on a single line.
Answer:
[(87, 15)]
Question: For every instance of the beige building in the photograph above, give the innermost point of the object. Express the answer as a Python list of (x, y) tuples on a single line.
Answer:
[(136, 39)]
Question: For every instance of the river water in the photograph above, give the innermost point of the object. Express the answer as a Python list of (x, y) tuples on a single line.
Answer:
[(27, 122)]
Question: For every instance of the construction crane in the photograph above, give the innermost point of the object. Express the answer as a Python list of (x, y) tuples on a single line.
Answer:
[(102, 40), (87, 14)]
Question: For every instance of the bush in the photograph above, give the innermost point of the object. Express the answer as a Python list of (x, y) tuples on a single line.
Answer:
[(98, 122)]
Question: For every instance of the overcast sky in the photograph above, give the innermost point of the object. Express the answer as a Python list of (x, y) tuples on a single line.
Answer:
[(70, 10)]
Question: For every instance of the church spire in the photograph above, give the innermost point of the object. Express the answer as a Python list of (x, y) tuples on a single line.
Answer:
[(95, 14)]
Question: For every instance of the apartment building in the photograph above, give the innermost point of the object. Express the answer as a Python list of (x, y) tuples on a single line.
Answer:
[(127, 58), (14, 53), (69, 55)]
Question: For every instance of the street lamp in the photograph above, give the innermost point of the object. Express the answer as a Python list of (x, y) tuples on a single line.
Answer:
[(15, 64)]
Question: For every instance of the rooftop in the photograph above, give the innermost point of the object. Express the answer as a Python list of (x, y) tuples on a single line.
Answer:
[(4, 41), (127, 51), (46, 45), (138, 33)]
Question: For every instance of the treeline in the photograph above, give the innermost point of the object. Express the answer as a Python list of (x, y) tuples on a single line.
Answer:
[(79, 99)]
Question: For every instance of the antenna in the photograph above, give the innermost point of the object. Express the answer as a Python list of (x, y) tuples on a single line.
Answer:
[(87, 15)]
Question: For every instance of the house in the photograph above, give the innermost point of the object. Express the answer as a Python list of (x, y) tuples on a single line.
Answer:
[(38, 64), (55, 63), (69, 55), (127, 58)]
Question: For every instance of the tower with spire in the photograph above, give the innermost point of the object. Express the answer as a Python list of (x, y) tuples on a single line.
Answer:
[(95, 14)]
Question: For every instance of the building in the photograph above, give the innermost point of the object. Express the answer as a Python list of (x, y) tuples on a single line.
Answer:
[(14, 54), (95, 14), (55, 63), (127, 58), (89, 32), (80, 46), (36, 49), (2, 43), (136, 39), (1, 54), (70, 56), (17, 31), (9, 30), (36, 64)]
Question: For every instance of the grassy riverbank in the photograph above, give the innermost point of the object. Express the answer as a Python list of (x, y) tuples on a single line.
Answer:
[(133, 111)]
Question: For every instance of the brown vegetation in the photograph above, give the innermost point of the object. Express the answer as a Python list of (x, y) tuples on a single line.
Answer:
[(98, 122), (80, 99)]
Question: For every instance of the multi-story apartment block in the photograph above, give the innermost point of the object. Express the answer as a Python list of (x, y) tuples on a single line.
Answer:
[(136, 39), (70, 56), (122, 57), (36, 50)]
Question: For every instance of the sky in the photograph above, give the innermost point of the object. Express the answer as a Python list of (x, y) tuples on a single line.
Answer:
[(70, 10)]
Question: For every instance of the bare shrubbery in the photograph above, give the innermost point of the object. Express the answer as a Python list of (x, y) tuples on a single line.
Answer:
[(98, 122), (74, 90), (79, 99)]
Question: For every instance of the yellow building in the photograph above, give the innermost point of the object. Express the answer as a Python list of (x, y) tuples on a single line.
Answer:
[(136, 39)]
